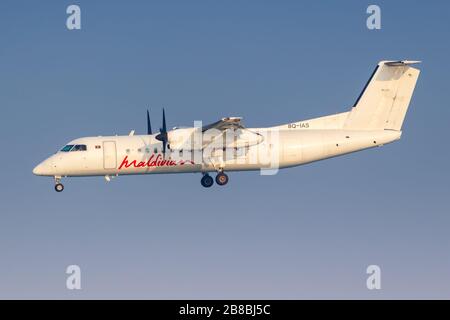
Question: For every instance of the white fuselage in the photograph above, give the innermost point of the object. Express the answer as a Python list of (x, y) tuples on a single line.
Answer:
[(142, 154), (376, 118)]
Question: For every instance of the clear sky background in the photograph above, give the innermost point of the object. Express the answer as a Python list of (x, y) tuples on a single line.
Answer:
[(307, 232)]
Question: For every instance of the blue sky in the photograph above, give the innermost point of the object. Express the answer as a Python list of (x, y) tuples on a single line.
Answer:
[(307, 232)]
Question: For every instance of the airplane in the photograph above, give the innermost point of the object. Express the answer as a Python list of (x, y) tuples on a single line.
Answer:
[(375, 119)]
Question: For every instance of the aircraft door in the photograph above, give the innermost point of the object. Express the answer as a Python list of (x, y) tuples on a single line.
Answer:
[(109, 155)]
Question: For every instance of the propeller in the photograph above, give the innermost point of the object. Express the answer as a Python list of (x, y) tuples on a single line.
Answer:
[(162, 136), (149, 125)]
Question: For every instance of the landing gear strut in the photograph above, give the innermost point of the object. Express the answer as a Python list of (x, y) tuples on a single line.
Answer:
[(58, 185), (221, 179), (207, 181)]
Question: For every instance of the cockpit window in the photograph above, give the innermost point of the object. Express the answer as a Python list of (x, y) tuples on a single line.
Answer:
[(79, 147), (71, 147), (67, 148)]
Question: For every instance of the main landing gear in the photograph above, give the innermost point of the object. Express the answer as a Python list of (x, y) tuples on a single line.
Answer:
[(221, 179), (58, 185), (207, 181)]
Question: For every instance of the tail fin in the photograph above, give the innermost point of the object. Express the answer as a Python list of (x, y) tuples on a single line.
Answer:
[(385, 99)]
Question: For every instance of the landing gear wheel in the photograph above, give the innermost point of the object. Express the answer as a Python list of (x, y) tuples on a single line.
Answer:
[(207, 181), (221, 179), (59, 187)]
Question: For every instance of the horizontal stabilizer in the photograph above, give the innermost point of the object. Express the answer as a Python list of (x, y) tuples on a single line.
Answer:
[(401, 63)]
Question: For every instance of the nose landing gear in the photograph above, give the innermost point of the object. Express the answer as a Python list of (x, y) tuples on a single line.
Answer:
[(58, 185)]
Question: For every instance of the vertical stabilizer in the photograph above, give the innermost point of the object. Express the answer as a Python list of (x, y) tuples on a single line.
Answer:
[(385, 99)]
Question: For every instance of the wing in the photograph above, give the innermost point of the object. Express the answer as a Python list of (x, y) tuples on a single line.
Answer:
[(242, 136), (228, 132), (224, 124)]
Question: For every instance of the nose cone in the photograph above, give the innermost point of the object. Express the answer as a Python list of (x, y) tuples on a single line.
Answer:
[(43, 169)]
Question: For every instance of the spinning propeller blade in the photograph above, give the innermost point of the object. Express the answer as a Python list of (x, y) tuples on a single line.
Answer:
[(149, 125), (162, 136)]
